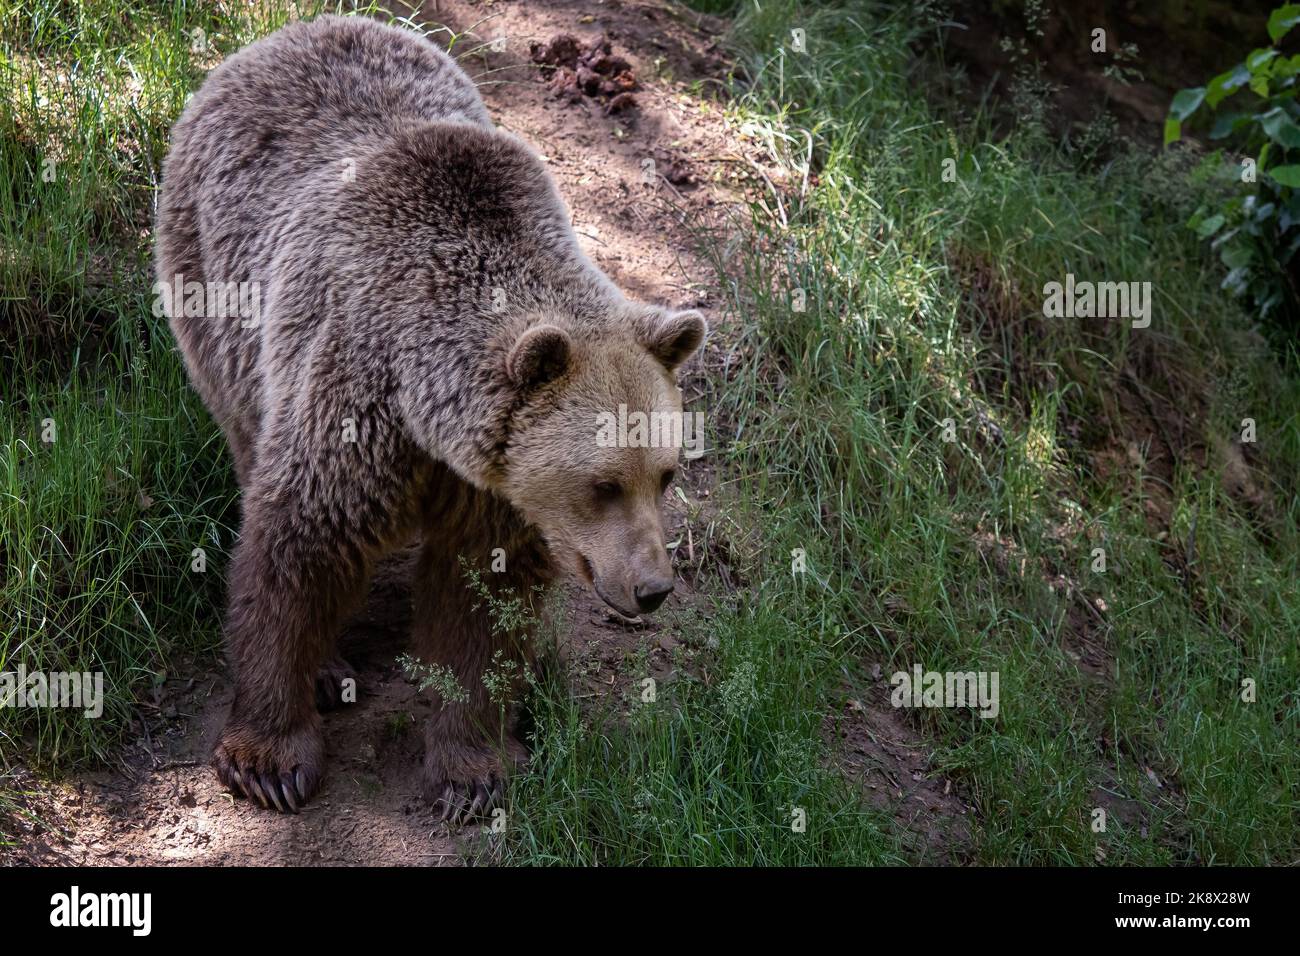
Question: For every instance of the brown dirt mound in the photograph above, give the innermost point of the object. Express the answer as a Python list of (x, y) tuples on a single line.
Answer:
[(591, 70)]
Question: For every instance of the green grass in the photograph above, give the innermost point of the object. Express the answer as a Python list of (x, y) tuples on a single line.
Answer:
[(717, 766), (923, 304)]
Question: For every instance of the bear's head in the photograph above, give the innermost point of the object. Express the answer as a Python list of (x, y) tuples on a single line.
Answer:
[(596, 443)]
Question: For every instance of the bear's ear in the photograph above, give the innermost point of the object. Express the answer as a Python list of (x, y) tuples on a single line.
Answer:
[(540, 355), (672, 337)]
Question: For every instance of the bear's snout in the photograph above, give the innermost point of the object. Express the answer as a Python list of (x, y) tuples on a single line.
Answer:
[(631, 587), (650, 594)]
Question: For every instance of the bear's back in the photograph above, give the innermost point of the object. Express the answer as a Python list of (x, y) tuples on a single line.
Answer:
[(296, 110), (322, 85), (270, 134)]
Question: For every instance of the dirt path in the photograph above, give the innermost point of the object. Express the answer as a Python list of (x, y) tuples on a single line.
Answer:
[(638, 181)]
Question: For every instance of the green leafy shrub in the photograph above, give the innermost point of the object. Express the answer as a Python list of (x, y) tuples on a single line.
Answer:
[(1255, 231)]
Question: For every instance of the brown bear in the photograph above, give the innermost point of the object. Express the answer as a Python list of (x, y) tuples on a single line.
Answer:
[(420, 347)]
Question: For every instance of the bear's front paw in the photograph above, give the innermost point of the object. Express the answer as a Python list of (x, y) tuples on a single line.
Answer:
[(465, 781), (283, 771)]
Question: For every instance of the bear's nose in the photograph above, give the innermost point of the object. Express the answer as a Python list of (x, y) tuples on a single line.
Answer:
[(650, 595)]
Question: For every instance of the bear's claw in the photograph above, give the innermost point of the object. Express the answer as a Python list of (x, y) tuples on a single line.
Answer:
[(466, 779), (463, 802), (286, 794), (287, 791)]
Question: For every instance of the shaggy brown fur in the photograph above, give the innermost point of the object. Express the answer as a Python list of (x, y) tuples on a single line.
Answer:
[(431, 355)]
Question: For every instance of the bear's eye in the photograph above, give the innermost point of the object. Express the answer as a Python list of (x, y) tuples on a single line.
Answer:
[(608, 490), (667, 480)]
